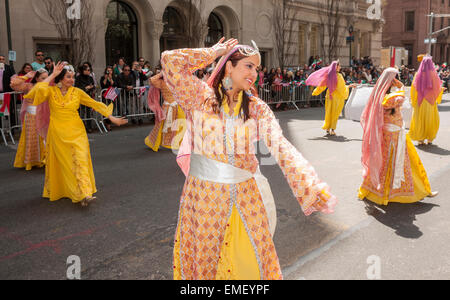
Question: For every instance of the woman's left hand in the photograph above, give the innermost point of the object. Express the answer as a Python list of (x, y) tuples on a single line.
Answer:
[(118, 121)]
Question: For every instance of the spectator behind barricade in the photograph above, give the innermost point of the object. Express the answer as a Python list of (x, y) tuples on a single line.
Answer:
[(140, 79), (26, 68), (200, 74), (85, 82), (271, 76), (49, 65), (106, 81), (39, 63), (147, 69), (92, 74), (119, 66), (138, 74), (125, 81), (6, 72)]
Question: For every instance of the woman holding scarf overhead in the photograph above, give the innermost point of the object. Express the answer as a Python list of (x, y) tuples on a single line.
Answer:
[(68, 169), (426, 94), (330, 78), (393, 171), (227, 213)]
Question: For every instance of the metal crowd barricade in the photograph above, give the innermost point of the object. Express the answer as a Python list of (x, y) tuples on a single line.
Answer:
[(131, 104), (87, 114), (10, 120), (290, 94)]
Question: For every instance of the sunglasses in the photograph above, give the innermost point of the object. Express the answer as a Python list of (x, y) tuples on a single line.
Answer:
[(127, 70), (39, 54)]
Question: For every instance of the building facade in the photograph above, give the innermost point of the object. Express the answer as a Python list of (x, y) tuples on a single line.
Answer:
[(407, 25), (145, 28)]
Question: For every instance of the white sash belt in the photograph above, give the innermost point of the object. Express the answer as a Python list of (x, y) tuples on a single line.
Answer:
[(215, 171), (399, 172), (168, 122), (31, 109)]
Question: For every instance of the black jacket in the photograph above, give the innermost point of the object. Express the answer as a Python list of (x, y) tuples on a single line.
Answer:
[(8, 72)]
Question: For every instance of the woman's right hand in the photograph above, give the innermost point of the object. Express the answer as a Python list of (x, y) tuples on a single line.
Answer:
[(222, 48)]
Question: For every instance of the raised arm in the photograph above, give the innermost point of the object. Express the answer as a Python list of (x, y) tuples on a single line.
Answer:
[(311, 193), (20, 84), (178, 67)]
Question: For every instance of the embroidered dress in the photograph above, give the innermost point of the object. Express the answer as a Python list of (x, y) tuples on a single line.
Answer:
[(167, 133), (223, 229), (334, 105), (414, 184), (68, 170), (31, 150)]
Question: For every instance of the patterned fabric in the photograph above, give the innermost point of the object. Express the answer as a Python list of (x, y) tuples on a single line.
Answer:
[(389, 146), (206, 206)]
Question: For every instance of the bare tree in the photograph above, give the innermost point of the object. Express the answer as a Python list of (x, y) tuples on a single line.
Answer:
[(194, 25), (78, 33), (283, 21), (330, 13)]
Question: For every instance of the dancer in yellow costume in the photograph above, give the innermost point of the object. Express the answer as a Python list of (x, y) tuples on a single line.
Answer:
[(31, 150), (393, 171), (330, 78), (227, 213), (169, 130), (68, 170), (426, 94)]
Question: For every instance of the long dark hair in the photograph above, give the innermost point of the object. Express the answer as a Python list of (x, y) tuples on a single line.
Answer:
[(235, 58), (36, 76)]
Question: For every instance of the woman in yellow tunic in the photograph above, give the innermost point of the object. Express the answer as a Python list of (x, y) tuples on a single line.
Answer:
[(68, 170), (31, 150), (330, 78), (169, 130), (393, 171), (426, 94), (226, 217)]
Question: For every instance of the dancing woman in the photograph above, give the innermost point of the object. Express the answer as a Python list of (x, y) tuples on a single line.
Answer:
[(330, 78), (393, 171), (170, 124), (31, 150), (426, 94), (227, 214), (68, 170)]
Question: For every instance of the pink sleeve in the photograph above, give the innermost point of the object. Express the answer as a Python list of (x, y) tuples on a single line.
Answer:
[(311, 193), (178, 67)]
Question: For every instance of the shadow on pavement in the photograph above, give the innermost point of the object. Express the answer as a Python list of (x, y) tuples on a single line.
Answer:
[(434, 149), (399, 216), (335, 138)]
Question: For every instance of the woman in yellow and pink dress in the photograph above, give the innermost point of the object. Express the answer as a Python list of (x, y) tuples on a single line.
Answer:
[(426, 94), (337, 92), (393, 171), (68, 169), (31, 150), (170, 123), (227, 212)]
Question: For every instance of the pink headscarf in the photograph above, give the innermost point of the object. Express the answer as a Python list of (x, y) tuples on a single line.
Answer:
[(153, 100), (372, 121), (427, 82), (325, 77)]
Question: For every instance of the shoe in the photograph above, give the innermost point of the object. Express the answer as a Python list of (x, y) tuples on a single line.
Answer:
[(86, 201), (429, 143), (421, 143), (332, 132), (433, 194)]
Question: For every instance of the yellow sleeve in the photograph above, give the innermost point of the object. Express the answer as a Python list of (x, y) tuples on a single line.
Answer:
[(439, 99), (393, 100), (319, 90), (99, 107), (342, 89), (40, 93)]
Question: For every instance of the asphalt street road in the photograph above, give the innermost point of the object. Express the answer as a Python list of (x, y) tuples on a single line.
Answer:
[(127, 233)]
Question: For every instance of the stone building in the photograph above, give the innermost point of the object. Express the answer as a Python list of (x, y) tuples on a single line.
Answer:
[(407, 25), (144, 28)]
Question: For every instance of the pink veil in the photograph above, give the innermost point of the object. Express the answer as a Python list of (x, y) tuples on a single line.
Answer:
[(372, 122), (153, 100), (427, 82), (325, 77)]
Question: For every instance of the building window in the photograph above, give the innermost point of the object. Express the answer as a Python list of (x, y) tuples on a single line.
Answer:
[(215, 30), (121, 34), (409, 20), (173, 36)]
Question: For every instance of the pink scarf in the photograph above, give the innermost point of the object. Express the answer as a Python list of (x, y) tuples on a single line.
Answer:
[(153, 100), (372, 121), (427, 82), (325, 77)]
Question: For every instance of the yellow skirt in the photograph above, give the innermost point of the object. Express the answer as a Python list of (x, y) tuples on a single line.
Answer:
[(425, 122), (237, 260), (422, 187), (333, 109)]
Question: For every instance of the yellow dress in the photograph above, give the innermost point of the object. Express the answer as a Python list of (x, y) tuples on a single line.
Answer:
[(334, 106), (223, 229), (166, 135), (416, 185), (425, 119), (68, 170)]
